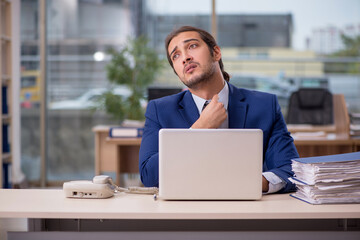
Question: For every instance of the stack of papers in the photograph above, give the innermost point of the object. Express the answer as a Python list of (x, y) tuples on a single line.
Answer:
[(327, 179)]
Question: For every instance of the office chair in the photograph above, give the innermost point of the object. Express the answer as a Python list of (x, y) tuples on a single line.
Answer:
[(310, 106)]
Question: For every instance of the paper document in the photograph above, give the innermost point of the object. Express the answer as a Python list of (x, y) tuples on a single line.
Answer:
[(312, 135), (328, 179)]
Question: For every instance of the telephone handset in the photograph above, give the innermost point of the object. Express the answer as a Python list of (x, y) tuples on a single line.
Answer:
[(100, 187)]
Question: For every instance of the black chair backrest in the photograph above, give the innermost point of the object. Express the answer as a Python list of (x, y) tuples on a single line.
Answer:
[(310, 106)]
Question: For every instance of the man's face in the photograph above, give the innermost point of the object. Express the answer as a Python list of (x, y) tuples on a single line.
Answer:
[(191, 58)]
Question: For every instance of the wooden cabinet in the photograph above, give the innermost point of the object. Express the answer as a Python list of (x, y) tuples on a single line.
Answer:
[(118, 155)]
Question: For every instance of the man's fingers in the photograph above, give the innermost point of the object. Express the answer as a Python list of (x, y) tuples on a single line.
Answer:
[(213, 115), (215, 98)]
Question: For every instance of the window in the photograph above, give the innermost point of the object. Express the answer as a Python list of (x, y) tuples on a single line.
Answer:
[(257, 39)]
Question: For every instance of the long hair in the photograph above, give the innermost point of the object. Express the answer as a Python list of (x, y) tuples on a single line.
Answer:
[(205, 36)]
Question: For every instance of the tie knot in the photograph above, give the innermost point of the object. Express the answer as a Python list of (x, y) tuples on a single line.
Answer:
[(205, 104)]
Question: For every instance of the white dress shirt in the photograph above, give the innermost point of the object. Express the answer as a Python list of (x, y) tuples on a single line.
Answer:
[(223, 98), (275, 183)]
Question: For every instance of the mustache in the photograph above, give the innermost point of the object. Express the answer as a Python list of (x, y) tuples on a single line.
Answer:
[(189, 63)]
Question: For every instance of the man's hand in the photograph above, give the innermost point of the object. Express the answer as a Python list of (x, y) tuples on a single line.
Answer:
[(212, 116), (265, 184)]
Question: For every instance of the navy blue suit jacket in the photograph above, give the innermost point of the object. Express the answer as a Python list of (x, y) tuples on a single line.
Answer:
[(246, 109)]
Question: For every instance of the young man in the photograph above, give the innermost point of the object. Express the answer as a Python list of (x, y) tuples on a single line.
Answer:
[(196, 60)]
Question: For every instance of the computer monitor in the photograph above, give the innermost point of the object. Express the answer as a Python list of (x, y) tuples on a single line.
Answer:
[(158, 92)]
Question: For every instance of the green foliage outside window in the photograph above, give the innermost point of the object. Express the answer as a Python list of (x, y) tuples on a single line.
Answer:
[(352, 49)]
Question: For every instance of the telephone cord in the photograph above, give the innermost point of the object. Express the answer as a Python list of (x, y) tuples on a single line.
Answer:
[(136, 190)]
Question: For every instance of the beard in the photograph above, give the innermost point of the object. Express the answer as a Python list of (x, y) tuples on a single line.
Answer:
[(194, 81)]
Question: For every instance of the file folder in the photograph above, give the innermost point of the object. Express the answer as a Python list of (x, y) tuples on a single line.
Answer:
[(327, 179)]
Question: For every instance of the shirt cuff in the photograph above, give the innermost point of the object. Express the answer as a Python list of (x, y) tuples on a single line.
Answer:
[(275, 182)]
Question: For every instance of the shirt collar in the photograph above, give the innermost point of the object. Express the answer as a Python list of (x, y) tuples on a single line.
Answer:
[(223, 98)]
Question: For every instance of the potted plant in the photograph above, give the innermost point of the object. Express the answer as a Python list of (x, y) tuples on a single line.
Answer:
[(134, 67)]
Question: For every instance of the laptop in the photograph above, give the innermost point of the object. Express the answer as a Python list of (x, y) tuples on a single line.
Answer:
[(210, 164)]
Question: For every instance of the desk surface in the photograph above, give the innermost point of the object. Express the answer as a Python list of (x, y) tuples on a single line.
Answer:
[(32, 203)]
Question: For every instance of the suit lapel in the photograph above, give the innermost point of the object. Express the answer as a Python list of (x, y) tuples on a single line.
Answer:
[(237, 108), (188, 109)]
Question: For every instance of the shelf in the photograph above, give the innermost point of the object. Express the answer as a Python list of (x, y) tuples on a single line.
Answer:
[(6, 118), (6, 83), (5, 38), (5, 80), (6, 157)]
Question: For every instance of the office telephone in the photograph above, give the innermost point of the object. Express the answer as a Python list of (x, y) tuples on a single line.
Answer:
[(100, 187)]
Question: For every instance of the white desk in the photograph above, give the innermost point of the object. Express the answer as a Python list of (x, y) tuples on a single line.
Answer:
[(32, 203), (279, 214)]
